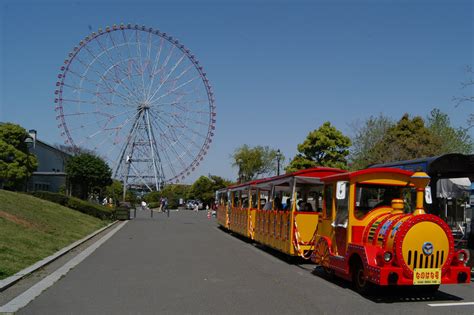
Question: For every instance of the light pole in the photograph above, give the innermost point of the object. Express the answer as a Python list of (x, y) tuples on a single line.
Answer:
[(30, 142), (278, 156)]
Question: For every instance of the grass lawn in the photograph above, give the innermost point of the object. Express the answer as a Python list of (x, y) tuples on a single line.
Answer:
[(32, 228)]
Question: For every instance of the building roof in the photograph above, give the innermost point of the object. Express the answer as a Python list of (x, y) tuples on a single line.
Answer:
[(451, 165), (49, 146)]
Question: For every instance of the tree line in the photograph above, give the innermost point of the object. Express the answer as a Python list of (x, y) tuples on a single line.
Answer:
[(378, 139)]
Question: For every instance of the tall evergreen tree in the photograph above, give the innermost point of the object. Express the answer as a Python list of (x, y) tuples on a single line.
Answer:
[(325, 146)]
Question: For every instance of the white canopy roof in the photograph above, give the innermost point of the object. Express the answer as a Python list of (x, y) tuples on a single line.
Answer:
[(288, 182), (452, 187)]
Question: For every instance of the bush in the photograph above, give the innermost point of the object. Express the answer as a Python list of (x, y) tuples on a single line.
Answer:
[(86, 207), (153, 205), (97, 211), (50, 196)]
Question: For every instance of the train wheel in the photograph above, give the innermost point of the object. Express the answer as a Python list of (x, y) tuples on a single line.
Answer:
[(322, 254), (359, 279)]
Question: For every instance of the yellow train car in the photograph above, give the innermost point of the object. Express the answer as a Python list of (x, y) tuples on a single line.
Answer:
[(281, 212), (222, 199)]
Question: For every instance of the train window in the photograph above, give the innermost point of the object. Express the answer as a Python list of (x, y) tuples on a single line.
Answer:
[(342, 206), (328, 190), (236, 199), (263, 199), (369, 197), (244, 199)]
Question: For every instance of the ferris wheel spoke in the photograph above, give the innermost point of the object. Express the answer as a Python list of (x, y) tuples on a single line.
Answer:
[(171, 144), (115, 66), (131, 92), (177, 78), (167, 76), (185, 136), (165, 64), (95, 102), (148, 53), (175, 89), (170, 163), (142, 69), (117, 49), (184, 125), (132, 83), (101, 76), (95, 59), (188, 152), (155, 63), (107, 115), (180, 105)]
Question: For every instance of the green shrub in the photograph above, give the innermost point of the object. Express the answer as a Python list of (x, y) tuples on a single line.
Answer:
[(86, 207), (153, 205), (50, 196)]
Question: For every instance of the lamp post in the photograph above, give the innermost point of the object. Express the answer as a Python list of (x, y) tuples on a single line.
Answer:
[(30, 142), (278, 157)]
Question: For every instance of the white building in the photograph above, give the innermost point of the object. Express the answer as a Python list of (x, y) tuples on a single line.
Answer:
[(50, 174)]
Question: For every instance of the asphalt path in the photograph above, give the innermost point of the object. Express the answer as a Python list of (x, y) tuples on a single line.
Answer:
[(185, 264)]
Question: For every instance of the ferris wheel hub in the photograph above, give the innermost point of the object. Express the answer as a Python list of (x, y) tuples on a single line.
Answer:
[(143, 106)]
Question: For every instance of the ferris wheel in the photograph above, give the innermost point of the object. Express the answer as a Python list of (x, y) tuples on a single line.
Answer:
[(141, 100)]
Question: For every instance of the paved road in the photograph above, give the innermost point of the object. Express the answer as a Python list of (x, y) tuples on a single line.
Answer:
[(186, 265)]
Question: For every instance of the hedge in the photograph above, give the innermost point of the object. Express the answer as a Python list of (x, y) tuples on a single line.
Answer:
[(50, 196), (154, 205), (86, 207)]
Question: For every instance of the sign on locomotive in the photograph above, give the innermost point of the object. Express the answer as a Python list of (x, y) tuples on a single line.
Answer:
[(367, 226)]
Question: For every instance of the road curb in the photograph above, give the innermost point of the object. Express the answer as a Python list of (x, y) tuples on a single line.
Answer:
[(7, 282)]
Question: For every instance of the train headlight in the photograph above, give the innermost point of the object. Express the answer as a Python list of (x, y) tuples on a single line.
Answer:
[(387, 256), (462, 256)]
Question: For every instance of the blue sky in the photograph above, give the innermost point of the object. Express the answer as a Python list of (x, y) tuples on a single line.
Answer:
[(279, 69)]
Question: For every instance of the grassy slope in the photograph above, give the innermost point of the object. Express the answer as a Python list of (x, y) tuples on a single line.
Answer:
[(31, 229)]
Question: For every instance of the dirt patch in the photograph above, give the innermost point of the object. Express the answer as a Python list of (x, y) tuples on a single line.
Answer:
[(15, 219)]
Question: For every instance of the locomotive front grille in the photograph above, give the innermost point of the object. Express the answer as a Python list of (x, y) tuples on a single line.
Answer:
[(416, 259), (416, 243)]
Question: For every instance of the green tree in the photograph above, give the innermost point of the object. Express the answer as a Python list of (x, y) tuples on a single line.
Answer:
[(253, 162), (366, 136), (172, 192), (86, 172), (325, 146), (204, 188), (407, 139), (16, 164), (469, 97), (453, 140)]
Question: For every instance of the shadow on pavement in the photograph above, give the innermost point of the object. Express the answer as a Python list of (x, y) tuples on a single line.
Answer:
[(291, 260), (380, 295), (391, 294)]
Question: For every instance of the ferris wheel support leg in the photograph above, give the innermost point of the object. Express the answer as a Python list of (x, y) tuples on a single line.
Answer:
[(152, 148), (122, 157)]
